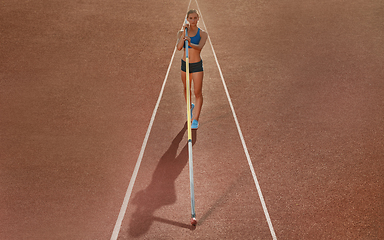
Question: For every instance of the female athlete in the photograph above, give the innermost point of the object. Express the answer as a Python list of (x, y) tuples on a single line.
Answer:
[(196, 40)]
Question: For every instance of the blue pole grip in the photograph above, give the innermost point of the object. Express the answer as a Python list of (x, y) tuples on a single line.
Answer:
[(186, 41)]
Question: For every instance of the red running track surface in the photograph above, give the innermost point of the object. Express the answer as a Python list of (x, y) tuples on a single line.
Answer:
[(79, 81)]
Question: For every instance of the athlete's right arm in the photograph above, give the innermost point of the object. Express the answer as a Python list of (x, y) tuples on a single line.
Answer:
[(180, 40)]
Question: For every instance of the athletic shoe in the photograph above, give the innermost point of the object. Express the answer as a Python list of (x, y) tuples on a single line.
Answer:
[(195, 124)]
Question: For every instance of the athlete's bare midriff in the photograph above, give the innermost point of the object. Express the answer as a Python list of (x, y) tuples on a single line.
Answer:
[(193, 55)]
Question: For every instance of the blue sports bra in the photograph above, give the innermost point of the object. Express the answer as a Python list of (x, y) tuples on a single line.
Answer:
[(195, 39)]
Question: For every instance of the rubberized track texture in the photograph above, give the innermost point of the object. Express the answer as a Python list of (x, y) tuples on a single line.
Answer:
[(301, 80)]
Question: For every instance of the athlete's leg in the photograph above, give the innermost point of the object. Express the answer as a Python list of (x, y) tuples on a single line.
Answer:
[(184, 79), (198, 91)]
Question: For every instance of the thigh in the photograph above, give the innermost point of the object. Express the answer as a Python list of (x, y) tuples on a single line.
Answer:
[(198, 81), (184, 78)]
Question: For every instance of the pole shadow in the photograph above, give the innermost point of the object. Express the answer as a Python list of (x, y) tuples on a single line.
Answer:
[(161, 190)]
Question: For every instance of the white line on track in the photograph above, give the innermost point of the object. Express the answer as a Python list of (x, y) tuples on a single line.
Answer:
[(124, 206), (241, 136)]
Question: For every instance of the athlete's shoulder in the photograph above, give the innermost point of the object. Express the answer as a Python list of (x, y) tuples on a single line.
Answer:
[(203, 32)]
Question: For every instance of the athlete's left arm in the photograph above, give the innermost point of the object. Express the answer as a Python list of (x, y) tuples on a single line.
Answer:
[(203, 39)]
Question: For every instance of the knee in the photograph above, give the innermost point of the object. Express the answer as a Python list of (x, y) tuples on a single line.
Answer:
[(198, 94)]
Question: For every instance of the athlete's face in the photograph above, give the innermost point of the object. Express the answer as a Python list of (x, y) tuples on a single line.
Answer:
[(193, 18)]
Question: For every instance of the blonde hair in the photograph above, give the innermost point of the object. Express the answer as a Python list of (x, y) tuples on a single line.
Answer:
[(192, 11)]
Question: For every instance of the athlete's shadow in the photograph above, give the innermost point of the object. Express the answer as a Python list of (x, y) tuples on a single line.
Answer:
[(161, 191)]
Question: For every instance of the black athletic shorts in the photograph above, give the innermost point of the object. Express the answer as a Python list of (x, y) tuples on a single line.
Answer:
[(193, 67)]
